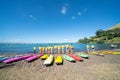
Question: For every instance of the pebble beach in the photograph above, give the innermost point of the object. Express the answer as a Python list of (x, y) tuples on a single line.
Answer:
[(94, 68)]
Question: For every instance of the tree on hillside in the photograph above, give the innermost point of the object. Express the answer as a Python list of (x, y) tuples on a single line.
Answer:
[(99, 32), (85, 40), (117, 32)]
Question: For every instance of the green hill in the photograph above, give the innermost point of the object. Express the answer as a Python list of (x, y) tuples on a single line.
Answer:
[(115, 27), (112, 35)]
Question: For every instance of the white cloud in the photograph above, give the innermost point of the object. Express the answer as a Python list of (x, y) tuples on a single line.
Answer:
[(73, 17), (79, 13), (32, 17), (64, 9)]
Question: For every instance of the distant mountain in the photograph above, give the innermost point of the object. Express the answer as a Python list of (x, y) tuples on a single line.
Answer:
[(115, 27)]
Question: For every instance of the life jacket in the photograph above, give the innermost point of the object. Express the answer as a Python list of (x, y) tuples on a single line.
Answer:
[(62, 46), (58, 47), (87, 46), (34, 48), (67, 46), (92, 46)]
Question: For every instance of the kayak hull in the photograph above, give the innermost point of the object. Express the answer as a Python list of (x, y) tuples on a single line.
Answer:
[(16, 59), (68, 58), (32, 58), (83, 55), (49, 60), (44, 57), (2, 59), (59, 60), (77, 58)]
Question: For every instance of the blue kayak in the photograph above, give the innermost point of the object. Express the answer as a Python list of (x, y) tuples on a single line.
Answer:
[(2, 59)]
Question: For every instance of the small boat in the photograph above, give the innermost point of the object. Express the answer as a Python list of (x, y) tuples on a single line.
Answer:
[(49, 60), (34, 57), (77, 58), (115, 52), (45, 56), (3, 58), (68, 58), (16, 59), (83, 55), (105, 52), (59, 60)]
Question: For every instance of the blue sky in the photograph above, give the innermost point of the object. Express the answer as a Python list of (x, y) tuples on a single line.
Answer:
[(46, 21)]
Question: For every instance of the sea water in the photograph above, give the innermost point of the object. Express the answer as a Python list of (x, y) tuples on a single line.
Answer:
[(21, 48)]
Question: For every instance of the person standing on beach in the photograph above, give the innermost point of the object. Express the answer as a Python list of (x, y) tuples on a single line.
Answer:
[(34, 48), (87, 47), (62, 48), (58, 48), (71, 49), (51, 49), (46, 50), (39, 50), (92, 48), (112, 46), (67, 49), (55, 48), (42, 50)]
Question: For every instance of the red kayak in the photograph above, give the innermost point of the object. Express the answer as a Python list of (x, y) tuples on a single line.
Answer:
[(77, 58)]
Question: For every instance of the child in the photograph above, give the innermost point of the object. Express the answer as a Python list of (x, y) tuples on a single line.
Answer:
[(67, 49), (87, 47), (71, 48), (58, 48), (42, 50), (92, 48), (62, 48), (51, 49), (34, 48), (55, 48), (39, 50)]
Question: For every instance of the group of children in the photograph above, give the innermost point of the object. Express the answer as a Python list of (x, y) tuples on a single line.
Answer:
[(88, 48), (64, 48)]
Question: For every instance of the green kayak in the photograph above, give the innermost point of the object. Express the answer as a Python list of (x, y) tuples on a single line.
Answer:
[(68, 58), (83, 55)]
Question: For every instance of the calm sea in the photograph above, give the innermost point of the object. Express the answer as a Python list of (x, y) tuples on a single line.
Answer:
[(20, 48)]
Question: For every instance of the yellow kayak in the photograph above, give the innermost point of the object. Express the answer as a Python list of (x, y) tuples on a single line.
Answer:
[(59, 60), (105, 52), (109, 52), (45, 56), (49, 60), (116, 53)]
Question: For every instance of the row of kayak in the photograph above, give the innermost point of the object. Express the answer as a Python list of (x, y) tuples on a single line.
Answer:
[(48, 58), (59, 58)]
